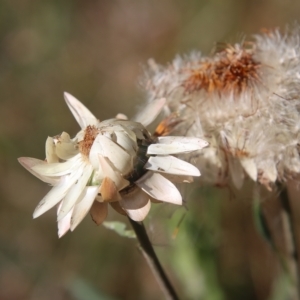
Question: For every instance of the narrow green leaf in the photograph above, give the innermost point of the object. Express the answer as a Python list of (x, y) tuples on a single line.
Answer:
[(120, 228)]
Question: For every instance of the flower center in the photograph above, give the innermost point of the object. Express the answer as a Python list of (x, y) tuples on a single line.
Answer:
[(231, 70), (90, 134)]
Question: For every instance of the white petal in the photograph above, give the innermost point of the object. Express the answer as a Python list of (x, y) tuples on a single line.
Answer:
[(200, 143), (58, 169), (126, 142), (82, 115), (128, 131), (79, 136), (28, 163), (171, 165), (64, 137), (250, 167), (96, 150), (160, 188), (106, 147), (121, 116), (136, 204), (66, 150), (173, 145), (75, 191), (139, 214), (64, 224), (179, 178), (51, 156), (150, 112), (138, 129), (114, 125), (131, 125), (65, 147), (110, 171), (83, 207), (56, 194)]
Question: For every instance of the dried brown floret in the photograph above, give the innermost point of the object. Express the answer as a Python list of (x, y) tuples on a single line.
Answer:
[(232, 70), (90, 134)]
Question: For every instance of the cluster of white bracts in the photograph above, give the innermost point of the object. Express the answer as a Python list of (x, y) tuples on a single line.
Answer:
[(253, 131), (110, 162)]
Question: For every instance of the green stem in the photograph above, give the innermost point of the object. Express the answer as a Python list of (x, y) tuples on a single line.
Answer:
[(153, 261)]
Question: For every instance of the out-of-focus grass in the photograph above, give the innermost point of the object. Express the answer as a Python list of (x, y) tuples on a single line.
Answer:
[(95, 50)]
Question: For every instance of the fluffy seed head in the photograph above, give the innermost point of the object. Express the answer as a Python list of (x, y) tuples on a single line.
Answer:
[(244, 100)]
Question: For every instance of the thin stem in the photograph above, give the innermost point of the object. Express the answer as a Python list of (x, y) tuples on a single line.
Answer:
[(291, 236), (153, 261)]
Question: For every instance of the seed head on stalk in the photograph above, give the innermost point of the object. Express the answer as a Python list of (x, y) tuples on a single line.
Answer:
[(244, 100)]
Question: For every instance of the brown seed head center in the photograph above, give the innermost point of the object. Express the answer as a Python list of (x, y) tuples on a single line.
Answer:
[(231, 70), (85, 145)]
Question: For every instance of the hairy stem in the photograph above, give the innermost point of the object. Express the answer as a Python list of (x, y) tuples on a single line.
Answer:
[(152, 260)]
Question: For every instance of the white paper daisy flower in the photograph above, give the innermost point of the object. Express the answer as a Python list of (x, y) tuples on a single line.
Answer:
[(114, 162)]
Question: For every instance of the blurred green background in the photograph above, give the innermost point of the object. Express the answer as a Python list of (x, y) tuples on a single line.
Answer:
[(96, 50)]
